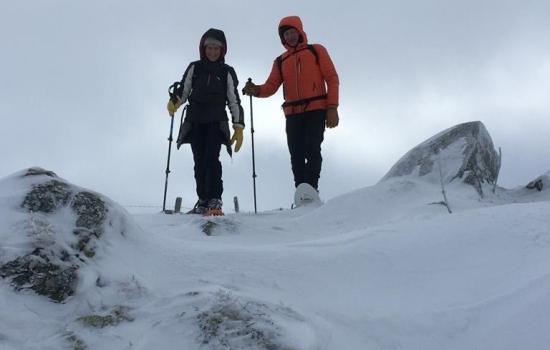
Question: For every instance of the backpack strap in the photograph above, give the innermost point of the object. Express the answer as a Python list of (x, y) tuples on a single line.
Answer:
[(310, 47), (314, 52)]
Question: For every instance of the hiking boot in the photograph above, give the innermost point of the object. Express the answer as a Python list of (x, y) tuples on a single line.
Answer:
[(201, 207), (214, 207), (306, 194)]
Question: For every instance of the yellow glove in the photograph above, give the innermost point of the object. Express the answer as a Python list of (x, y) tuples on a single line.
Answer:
[(238, 138), (173, 107)]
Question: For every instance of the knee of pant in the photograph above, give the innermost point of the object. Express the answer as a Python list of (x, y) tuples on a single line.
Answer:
[(313, 154)]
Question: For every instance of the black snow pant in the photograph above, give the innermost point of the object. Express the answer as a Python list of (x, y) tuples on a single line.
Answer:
[(206, 141), (304, 133)]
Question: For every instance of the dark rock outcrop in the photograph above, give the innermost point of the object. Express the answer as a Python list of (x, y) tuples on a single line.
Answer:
[(38, 272), (540, 183), (36, 171), (47, 197), (91, 211), (464, 152)]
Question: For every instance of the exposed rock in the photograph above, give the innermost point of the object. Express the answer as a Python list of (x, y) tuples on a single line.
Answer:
[(39, 171), (75, 341), (47, 197), (37, 271), (91, 211), (540, 182), (231, 323), (117, 315), (464, 152)]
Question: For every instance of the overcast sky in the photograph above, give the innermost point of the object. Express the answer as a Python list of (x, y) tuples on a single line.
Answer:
[(83, 88)]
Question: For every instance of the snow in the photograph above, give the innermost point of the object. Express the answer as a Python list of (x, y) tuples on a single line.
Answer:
[(382, 267)]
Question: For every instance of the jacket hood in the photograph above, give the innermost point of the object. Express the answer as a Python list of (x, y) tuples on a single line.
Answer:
[(215, 34), (294, 22)]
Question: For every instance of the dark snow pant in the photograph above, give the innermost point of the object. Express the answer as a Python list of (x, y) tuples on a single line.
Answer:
[(304, 134), (206, 141)]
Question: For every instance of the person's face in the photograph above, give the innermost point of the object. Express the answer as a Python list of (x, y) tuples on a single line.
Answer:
[(291, 37), (213, 52)]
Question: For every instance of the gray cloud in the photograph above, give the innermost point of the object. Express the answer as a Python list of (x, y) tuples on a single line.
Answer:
[(83, 88)]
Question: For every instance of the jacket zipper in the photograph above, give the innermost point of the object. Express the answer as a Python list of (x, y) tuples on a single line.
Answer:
[(298, 72)]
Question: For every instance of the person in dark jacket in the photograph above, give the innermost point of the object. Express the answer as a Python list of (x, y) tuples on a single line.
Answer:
[(209, 85), (310, 89)]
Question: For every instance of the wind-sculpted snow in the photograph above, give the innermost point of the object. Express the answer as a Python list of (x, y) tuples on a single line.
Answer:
[(464, 152), (79, 249), (383, 267)]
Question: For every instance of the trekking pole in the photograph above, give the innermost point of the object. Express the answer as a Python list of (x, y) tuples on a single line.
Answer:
[(171, 91), (253, 158), (168, 163)]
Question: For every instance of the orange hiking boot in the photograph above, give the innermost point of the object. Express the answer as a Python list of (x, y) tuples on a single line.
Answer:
[(214, 212), (214, 207)]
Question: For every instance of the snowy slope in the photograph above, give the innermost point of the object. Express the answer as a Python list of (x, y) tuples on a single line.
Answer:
[(379, 268)]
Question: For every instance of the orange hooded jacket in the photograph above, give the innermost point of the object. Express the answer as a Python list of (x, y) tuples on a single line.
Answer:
[(303, 75)]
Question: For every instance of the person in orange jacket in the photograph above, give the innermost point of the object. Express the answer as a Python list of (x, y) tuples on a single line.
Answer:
[(310, 88)]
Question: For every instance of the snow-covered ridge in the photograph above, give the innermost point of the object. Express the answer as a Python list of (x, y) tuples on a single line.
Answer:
[(382, 267)]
